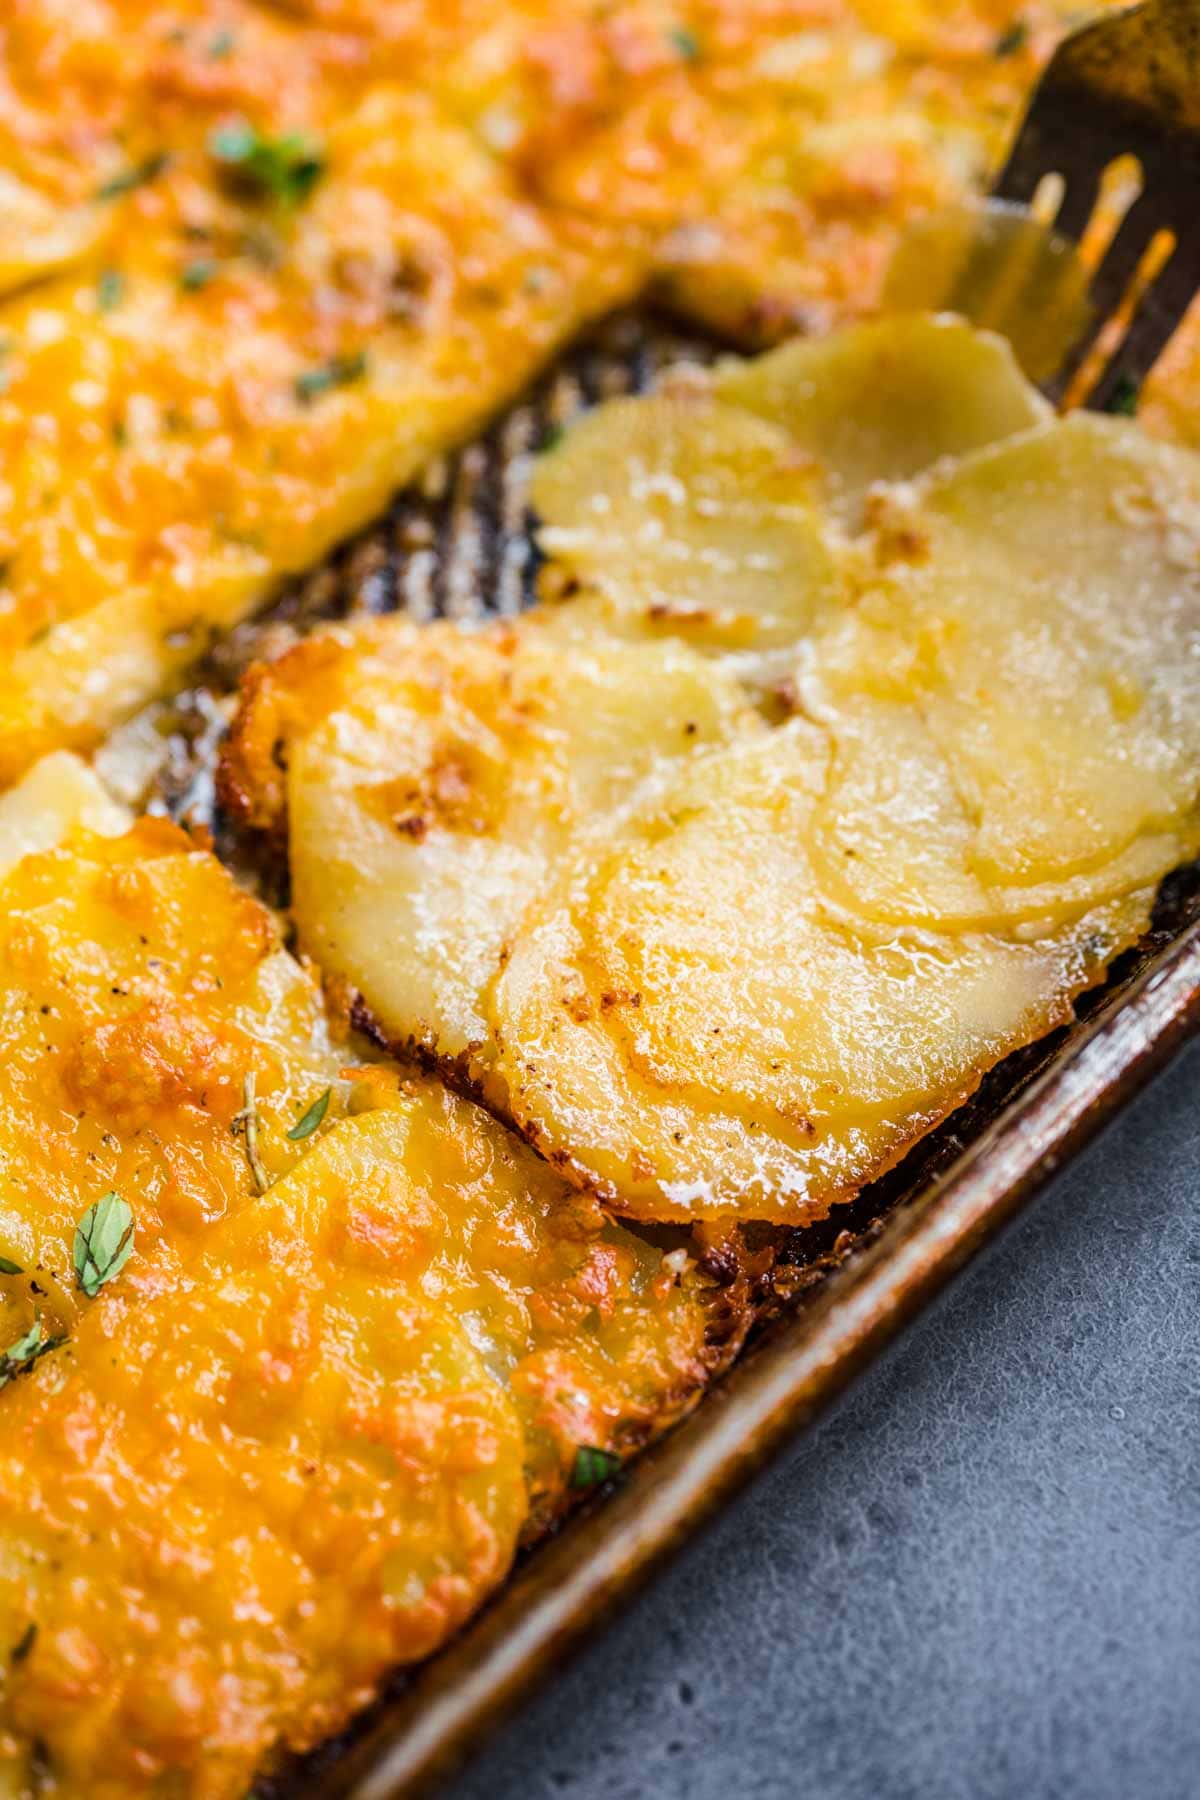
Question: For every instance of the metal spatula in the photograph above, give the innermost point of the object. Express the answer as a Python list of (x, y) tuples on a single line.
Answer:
[(1126, 86)]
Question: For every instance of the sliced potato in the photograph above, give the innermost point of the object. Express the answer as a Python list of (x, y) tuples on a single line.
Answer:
[(600, 1340), (56, 797), (713, 968), (881, 402), (140, 991), (434, 775), (690, 1029), (237, 1498), (1016, 707), (690, 516)]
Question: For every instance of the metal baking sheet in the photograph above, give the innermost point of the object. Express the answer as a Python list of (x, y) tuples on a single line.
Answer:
[(461, 547)]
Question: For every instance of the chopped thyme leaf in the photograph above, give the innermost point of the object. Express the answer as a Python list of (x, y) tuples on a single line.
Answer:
[(340, 370), (24, 1643), (308, 1124), (247, 1123), (283, 168), (133, 178), (103, 1242), (1124, 401), (109, 289), (592, 1467), (1012, 40), (21, 1356), (197, 275), (554, 436), (25, 1346), (685, 42), (221, 46), (10, 1268)]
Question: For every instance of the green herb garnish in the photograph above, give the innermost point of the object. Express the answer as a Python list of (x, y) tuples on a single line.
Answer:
[(247, 1123), (133, 178), (281, 168), (103, 1242), (1124, 400), (685, 42), (308, 1124), (221, 46), (10, 1268), (27, 1350), (1012, 40), (109, 289), (336, 373), (197, 275), (24, 1643), (592, 1467)]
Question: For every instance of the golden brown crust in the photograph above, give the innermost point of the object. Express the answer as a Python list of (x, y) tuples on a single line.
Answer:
[(274, 698)]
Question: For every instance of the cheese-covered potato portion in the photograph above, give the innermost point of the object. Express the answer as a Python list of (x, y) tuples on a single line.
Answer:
[(600, 1338), (238, 1496), (279, 329), (140, 993), (690, 1027), (834, 135), (434, 775), (293, 1353)]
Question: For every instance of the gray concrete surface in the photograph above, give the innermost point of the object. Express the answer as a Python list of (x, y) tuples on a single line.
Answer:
[(980, 1580)]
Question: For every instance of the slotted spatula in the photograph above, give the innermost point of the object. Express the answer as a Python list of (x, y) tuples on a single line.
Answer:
[(1127, 85)]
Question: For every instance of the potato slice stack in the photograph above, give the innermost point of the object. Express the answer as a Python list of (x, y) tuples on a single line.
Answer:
[(713, 964)]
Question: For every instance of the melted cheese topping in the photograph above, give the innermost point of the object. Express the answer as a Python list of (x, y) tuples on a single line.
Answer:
[(597, 1338), (238, 1496), (245, 386), (139, 989), (293, 1441)]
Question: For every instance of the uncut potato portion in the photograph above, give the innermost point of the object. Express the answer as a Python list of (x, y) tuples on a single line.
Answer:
[(434, 774), (690, 1027), (595, 1336), (238, 1497), (138, 990), (1016, 704)]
